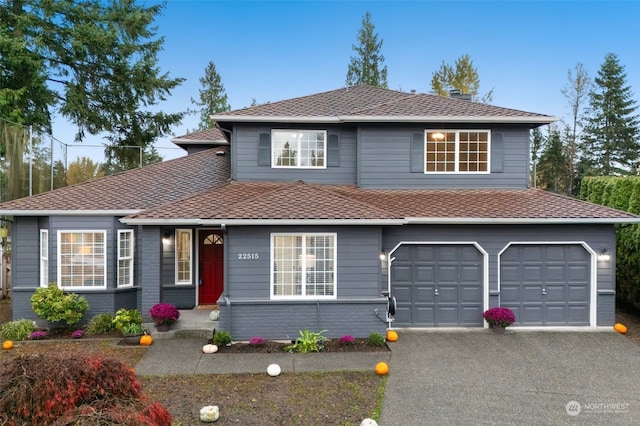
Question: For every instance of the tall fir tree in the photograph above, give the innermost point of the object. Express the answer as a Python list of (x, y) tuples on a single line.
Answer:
[(610, 144), (367, 65), (552, 167), (93, 62), (212, 98)]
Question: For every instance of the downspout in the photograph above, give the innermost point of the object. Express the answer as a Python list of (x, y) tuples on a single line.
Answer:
[(225, 294)]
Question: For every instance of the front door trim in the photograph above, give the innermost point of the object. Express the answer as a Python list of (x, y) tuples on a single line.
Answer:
[(199, 233)]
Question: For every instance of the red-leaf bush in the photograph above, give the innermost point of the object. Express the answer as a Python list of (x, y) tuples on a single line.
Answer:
[(58, 390)]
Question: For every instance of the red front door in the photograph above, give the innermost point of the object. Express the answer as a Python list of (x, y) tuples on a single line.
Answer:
[(211, 245)]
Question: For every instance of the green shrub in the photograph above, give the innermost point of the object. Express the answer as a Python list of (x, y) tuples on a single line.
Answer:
[(376, 339), (53, 304), (101, 323), (221, 338), (309, 341), (128, 321), (17, 330)]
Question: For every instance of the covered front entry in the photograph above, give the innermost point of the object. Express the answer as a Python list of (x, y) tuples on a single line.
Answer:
[(437, 285), (211, 266), (546, 284)]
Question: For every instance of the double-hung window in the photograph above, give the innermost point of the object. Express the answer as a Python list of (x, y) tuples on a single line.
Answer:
[(125, 258), (457, 151), (303, 265), (299, 148), (44, 258), (82, 259), (183, 256)]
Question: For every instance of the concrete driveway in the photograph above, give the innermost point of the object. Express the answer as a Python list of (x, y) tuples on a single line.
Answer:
[(521, 377)]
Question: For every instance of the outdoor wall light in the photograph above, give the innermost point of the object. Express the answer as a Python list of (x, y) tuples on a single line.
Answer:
[(166, 238), (604, 255), (383, 256)]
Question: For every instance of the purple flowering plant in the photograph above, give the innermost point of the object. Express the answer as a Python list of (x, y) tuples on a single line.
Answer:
[(38, 335), (257, 341), (164, 313), (346, 340), (498, 316), (78, 334)]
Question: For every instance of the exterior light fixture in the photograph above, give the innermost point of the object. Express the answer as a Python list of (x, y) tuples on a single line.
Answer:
[(166, 238), (604, 255)]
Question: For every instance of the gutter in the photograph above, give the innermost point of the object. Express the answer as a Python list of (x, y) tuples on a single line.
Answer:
[(515, 221), (385, 119), (69, 212), (262, 222)]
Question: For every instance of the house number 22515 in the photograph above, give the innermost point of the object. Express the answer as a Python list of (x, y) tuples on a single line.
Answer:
[(248, 256)]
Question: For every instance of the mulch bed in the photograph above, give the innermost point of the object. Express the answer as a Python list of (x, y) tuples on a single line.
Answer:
[(331, 345)]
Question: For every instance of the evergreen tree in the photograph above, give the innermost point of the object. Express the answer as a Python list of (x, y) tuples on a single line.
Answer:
[(537, 143), (463, 76), (94, 62), (610, 143), (212, 96), (552, 167), (367, 66)]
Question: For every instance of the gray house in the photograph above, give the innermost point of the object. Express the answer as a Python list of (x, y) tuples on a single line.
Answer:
[(308, 212)]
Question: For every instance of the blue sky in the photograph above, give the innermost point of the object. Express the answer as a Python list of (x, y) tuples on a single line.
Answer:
[(271, 50)]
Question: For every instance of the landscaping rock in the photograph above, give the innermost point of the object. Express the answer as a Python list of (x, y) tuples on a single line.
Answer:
[(369, 422), (273, 370), (209, 414)]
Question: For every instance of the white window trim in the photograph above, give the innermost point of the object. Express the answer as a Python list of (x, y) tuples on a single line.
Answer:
[(130, 258), (303, 296), (274, 154), (457, 151), (59, 258), (189, 281), (44, 258)]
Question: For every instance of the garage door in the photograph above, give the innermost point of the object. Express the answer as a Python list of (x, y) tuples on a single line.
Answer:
[(437, 285), (546, 284)]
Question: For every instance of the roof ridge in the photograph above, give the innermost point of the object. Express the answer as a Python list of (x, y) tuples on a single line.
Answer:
[(389, 102)]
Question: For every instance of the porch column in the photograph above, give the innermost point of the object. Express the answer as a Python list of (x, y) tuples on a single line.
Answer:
[(149, 267)]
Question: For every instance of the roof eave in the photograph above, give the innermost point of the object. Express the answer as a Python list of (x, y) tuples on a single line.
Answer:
[(517, 220), (383, 119), (261, 222), (68, 212), (178, 141)]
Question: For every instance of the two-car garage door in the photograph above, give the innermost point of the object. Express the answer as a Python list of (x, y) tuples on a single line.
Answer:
[(443, 285)]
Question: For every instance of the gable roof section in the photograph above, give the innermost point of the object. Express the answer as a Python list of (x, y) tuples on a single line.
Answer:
[(131, 191), (202, 136), (290, 203), (363, 103)]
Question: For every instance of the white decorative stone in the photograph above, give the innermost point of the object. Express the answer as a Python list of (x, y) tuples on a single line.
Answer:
[(369, 422), (209, 349), (209, 414), (273, 370), (214, 315)]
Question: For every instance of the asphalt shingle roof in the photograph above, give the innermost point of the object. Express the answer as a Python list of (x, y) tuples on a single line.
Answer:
[(369, 101), (304, 201), (135, 189)]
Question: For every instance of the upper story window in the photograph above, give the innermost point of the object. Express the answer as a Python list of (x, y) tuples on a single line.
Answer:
[(299, 148), (81, 259), (457, 151)]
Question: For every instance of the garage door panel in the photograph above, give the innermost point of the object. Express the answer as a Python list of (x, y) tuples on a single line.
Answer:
[(401, 272), (554, 287), (403, 314), (402, 294), (455, 271), (423, 294)]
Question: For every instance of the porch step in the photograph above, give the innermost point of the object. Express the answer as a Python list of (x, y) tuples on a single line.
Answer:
[(191, 324)]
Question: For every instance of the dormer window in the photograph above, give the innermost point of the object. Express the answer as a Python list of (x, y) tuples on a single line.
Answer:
[(292, 148), (457, 151)]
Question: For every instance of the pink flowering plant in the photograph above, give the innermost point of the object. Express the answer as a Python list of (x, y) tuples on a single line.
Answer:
[(164, 313), (38, 335), (347, 340), (498, 316), (257, 341)]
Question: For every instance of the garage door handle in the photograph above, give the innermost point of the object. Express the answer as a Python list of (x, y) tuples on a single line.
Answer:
[(544, 292), (435, 292)]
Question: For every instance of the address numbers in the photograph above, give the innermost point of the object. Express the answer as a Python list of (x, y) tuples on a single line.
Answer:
[(248, 256)]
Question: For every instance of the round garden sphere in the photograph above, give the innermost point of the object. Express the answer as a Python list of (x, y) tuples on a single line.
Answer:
[(273, 370)]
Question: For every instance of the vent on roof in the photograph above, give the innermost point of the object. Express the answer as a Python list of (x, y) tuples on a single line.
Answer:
[(413, 91), (457, 94), (220, 153)]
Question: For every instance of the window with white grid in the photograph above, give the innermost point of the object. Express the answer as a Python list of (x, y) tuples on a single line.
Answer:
[(298, 148), (303, 265), (81, 259), (44, 258), (183, 256), (125, 258), (457, 151)]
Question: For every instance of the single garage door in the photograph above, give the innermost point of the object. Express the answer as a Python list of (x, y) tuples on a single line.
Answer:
[(546, 284), (437, 285)]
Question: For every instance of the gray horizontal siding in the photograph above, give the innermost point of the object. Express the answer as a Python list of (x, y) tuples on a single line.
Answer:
[(385, 160), (284, 320), (244, 159), (25, 255)]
